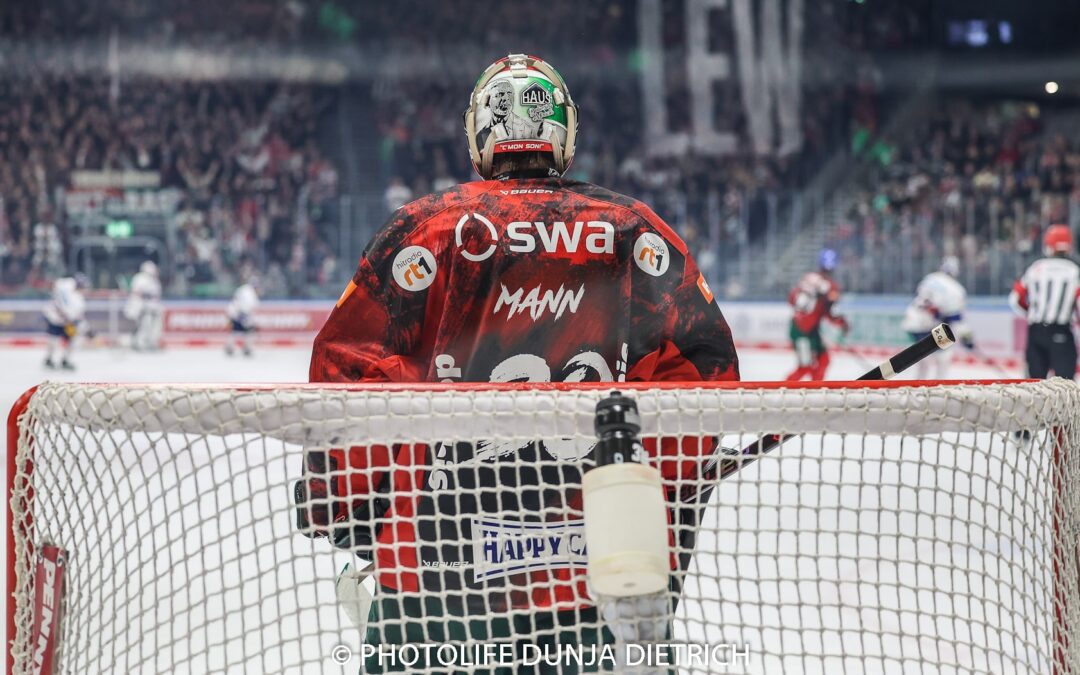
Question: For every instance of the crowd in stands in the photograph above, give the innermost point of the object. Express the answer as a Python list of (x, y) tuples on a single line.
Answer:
[(883, 25), (876, 25), (257, 188), (978, 181), (422, 147), (299, 21), (254, 186)]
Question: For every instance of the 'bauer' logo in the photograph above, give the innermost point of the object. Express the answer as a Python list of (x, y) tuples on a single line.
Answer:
[(651, 254), (414, 268)]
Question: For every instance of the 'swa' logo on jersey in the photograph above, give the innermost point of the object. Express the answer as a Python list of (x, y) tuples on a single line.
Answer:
[(536, 302), (477, 238), (414, 268)]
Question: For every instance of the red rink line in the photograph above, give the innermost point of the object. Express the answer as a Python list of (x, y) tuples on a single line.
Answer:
[(21, 342), (170, 343), (285, 341)]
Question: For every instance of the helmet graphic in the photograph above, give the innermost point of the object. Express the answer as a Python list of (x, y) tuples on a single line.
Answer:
[(950, 265), (520, 105), (827, 259), (1058, 239)]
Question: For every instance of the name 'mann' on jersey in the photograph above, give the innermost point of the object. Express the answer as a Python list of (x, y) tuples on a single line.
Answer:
[(538, 280)]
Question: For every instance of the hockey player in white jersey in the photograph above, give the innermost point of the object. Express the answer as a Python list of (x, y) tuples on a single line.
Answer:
[(65, 318), (144, 308), (241, 313), (939, 298)]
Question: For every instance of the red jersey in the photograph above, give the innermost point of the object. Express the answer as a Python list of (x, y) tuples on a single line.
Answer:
[(538, 280), (813, 299)]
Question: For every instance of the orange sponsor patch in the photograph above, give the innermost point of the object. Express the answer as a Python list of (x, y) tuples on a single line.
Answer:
[(346, 293), (704, 288)]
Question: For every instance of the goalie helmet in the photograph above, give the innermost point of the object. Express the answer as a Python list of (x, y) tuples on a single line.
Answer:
[(1058, 239), (520, 104)]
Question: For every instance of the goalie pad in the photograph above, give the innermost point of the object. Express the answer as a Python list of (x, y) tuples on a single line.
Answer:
[(639, 620), (353, 597)]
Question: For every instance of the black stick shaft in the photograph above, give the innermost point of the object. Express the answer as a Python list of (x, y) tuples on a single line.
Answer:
[(688, 514), (940, 338)]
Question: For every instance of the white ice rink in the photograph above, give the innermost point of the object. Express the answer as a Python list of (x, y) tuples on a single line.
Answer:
[(765, 546)]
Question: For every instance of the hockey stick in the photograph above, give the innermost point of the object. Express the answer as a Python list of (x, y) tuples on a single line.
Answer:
[(729, 462), (939, 338), (844, 349), (990, 362)]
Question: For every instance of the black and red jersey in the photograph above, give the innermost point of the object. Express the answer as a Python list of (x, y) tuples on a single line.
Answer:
[(814, 300), (537, 280)]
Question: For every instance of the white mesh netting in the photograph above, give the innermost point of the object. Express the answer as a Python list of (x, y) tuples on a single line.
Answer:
[(899, 529)]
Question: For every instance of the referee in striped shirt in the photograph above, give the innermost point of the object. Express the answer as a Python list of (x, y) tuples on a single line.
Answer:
[(1047, 296)]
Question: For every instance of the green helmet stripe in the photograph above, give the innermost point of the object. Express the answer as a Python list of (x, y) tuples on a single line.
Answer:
[(559, 113)]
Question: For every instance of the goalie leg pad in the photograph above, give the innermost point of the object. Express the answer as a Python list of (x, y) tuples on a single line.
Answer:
[(640, 620), (353, 596)]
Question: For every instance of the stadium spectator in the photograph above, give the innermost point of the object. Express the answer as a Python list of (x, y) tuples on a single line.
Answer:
[(241, 154), (978, 181)]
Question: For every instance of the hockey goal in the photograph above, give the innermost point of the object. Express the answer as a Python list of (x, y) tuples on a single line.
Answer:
[(903, 527)]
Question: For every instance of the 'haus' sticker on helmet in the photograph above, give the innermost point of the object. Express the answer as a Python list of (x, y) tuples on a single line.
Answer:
[(534, 94), (539, 101)]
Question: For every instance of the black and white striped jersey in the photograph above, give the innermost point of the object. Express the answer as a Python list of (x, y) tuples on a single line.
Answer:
[(1048, 291)]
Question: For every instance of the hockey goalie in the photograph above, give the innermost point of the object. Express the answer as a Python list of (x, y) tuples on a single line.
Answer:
[(524, 276)]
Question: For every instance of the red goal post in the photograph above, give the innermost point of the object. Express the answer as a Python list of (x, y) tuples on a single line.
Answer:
[(901, 521)]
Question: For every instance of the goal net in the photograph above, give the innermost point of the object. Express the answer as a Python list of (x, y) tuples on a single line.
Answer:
[(902, 527)]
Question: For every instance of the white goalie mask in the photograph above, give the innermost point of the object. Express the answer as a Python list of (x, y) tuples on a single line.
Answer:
[(520, 104)]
